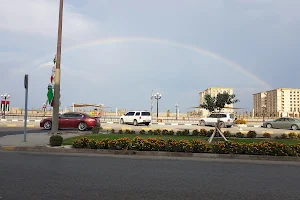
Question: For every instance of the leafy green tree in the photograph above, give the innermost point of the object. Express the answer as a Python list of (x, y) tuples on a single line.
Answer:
[(219, 102)]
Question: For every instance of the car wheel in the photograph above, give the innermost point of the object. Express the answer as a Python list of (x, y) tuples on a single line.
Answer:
[(82, 126), (222, 125), (135, 123), (295, 127), (122, 121), (269, 125), (47, 125), (202, 123)]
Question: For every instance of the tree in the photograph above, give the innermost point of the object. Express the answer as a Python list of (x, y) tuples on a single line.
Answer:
[(219, 102), (168, 113)]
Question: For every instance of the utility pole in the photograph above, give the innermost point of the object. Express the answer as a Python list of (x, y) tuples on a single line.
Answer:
[(56, 99), (152, 102), (176, 106)]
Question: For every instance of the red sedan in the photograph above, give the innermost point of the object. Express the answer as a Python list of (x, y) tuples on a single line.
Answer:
[(72, 120)]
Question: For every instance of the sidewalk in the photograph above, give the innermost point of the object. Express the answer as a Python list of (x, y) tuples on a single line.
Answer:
[(33, 139)]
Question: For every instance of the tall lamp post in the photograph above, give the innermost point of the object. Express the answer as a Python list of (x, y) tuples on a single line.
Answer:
[(157, 96), (5, 97), (263, 111), (44, 108), (56, 98), (176, 106)]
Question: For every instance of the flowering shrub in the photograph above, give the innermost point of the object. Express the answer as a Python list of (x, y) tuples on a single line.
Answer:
[(227, 133), (266, 135), (142, 132), (239, 135), (292, 135), (171, 145), (81, 143), (195, 146), (283, 136), (102, 144), (196, 132), (119, 144), (179, 132), (184, 146), (92, 144), (120, 131), (184, 132), (157, 132), (165, 132), (251, 134), (171, 132), (199, 146), (210, 132), (203, 132)]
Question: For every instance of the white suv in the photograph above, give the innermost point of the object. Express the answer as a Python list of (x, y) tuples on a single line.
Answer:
[(136, 118), (226, 120)]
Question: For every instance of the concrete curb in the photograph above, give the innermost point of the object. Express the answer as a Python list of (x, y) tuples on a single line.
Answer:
[(45, 149), (20, 120)]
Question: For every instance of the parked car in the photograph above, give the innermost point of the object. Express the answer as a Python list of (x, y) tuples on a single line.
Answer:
[(72, 120), (283, 123), (226, 120), (136, 118)]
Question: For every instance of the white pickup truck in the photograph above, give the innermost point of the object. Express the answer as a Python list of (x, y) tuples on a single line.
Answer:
[(136, 118), (226, 120)]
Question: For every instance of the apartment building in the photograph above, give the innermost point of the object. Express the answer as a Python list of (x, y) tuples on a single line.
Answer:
[(280, 102), (213, 91)]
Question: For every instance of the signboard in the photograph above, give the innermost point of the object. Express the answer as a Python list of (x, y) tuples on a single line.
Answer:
[(50, 95)]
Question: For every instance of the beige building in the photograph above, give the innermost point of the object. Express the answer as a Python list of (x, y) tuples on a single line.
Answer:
[(281, 102), (213, 91)]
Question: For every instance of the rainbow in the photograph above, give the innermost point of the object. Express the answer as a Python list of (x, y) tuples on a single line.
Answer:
[(202, 51)]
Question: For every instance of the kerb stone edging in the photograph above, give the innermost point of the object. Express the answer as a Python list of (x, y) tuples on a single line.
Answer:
[(45, 149)]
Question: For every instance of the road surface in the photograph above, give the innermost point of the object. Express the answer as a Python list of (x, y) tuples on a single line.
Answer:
[(45, 176), (13, 128)]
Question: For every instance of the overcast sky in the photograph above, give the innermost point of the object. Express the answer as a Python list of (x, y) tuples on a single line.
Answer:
[(177, 48)]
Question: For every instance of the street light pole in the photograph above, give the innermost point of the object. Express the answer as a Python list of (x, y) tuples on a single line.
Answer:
[(56, 98), (157, 96), (176, 105), (263, 112), (152, 96), (5, 97)]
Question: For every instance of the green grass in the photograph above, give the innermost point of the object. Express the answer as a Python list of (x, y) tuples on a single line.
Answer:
[(69, 141)]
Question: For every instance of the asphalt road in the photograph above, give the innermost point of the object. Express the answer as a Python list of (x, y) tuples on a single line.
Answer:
[(44, 176)]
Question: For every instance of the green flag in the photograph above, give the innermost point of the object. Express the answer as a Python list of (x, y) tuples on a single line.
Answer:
[(54, 60), (50, 94)]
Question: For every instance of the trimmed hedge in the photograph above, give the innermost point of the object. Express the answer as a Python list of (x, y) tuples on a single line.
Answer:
[(55, 140), (196, 146)]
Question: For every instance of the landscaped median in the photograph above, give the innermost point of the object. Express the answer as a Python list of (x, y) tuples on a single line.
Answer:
[(188, 143)]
